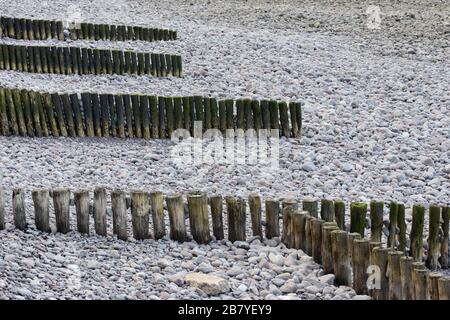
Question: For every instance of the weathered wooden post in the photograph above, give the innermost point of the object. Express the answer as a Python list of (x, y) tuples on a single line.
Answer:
[(41, 209), (433, 285), (100, 211), (358, 211), (341, 262), (198, 217), (444, 288), (216, 203), (119, 211), (18, 204), (61, 203), (311, 206), (316, 237), (406, 278), (157, 207), (376, 220), (433, 237), (175, 207), (445, 238), (254, 203), (394, 276), (416, 236), (327, 256), (327, 210), (401, 221), (360, 263), (288, 231), (81, 199), (352, 236), (380, 259), (236, 209), (393, 215), (420, 280), (272, 218), (339, 213), (140, 215), (308, 235), (2, 209)]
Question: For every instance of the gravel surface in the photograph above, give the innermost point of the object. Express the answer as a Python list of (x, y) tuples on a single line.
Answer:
[(376, 126)]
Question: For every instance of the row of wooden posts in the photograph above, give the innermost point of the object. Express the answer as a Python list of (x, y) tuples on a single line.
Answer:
[(38, 29), (37, 114), (77, 60), (395, 272), (349, 255)]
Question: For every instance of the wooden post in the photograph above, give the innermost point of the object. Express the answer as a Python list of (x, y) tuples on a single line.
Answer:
[(327, 255), (153, 100), (18, 204), (272, 218), (78, 117), (128, 115), (284, 119), (81, 199), (216, 203), (376, 220), (175, 207), (27, 112), (316, 238), (433, 237), (162, 116), (394, 276), (286, 220), (100, 211), (214, 114), (67, 106), (444, 288), (360, 263), (236, 211), (406, 278), (11, 112), (352, 236), (145, 115), (433, 285), (96, 111), (59, 114), (416, 236), (4, 124), (168, 102), (178, 113), (293, 117), (401, 221), (287, 236), (222, 116), (327, 210), (140, 215), (88, 113), (229, 104), (2, 209), (198, 217), (311, 206), (61, 203), (41, 209), (207, 117), (373, 245), (420, 280), (341, 262), (358, 211), (119, 211), (339, 213), (393, 216), (187, 113), (445, 238), (308, 235), (254, 203), (157, 202), (380, 259)]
